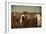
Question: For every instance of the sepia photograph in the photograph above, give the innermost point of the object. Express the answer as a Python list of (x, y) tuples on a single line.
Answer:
[(26, 16)]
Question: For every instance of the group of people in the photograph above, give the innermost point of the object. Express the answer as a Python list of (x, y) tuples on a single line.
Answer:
[(24, 20)]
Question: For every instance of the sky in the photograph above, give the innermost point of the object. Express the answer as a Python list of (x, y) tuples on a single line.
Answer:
[(30, 9)]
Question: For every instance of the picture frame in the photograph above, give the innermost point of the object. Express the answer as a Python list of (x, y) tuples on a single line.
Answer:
[(8, 17)]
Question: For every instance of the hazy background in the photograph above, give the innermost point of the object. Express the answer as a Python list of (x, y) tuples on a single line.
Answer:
[(30, 9)]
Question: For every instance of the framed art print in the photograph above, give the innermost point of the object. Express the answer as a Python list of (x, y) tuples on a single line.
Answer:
[(24, 16)]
